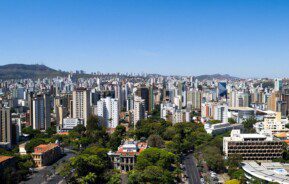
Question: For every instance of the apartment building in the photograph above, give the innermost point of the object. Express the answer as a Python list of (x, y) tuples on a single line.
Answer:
[(5, 127), (273, 122), (138, 109), (81, 104), (108, 110)]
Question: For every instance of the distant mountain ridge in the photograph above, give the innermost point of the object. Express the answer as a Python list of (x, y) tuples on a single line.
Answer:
[(35, 71), (217, 76), (23, 71)]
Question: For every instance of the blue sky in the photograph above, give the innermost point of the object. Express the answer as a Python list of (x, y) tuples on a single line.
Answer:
[(245, 38)]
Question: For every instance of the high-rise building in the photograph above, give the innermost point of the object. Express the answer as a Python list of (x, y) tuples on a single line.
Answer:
[(194, 98), (278, 84), (41, 112), (5, 125), (138, 109), (273, 99), (81, 104), (108, 110), (143, 93), (239, 99), (221, 113), (222, 90)]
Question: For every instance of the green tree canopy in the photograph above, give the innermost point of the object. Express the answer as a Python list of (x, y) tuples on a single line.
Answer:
[(155, 141), (155, 157)]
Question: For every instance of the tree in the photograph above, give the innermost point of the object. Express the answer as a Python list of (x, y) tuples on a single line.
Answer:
[(248, 125), (156, 157), (29, 130), (169, 133), (155, 141), (80, 129), (50, 131), (214, 159), (90, 178), (116, 137), (234, 161), (155, 174), (232, 121), (115, 179), (33, 143), (92, 123), (85, 164), (151, 174)]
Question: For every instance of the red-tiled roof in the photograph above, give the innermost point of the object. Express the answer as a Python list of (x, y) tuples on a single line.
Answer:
[(44, 147), (140, 147), (4, 158)]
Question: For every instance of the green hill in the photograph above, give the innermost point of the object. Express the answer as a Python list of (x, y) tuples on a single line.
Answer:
[(22, 71)]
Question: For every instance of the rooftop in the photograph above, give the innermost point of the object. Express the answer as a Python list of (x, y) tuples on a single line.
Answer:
[(262, 171), (131, 148), (4, 158), (44, 148), (241, 109)]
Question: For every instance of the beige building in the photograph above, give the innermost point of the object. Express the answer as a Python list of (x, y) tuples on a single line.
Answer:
[(138, 109), (46, 154), (194, 99), (252, 146), (81, 104), (273, 122)]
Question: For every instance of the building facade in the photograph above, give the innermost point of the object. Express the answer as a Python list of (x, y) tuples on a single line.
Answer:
[(81, 104), (108, 110), (46, 154), (252, 146), (125, 157)]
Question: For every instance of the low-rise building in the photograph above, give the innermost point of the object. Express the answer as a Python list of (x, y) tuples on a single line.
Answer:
[(5, 162), (70, 123), (275, 123), (125, 157), (219, 128), (252, 146), (267, 172), (45, 154), (22, 149), (241, 114)]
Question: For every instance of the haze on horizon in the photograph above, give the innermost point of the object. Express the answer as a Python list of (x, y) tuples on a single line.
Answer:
[(243, 38)]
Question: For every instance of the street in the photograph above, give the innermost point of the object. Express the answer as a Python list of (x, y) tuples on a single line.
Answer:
[(46, 175), (191, 170)]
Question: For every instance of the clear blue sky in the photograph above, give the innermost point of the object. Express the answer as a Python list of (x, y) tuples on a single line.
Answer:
[(246, 38)]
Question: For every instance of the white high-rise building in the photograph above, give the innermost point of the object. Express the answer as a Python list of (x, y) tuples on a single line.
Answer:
[(108, 109), (221, 113), (81, 104), (138, 109), (278, 84)]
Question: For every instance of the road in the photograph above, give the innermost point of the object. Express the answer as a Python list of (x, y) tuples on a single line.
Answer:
[(191, 170), (46, 175)]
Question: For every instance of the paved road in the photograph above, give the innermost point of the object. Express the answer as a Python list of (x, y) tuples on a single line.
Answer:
[(191, 170), (46, 175)]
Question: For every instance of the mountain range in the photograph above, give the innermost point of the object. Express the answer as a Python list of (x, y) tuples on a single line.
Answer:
[(35, 71)]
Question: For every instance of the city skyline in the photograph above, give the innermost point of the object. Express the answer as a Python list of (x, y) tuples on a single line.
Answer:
[(239, 38)]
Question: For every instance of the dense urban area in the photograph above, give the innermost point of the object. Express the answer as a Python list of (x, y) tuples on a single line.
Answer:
[(139, 128)]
